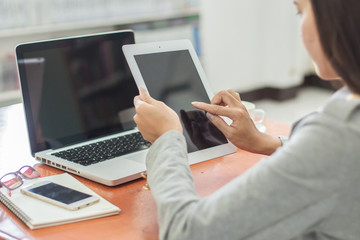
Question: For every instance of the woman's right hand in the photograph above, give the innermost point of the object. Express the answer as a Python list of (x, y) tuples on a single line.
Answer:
[(242, 132), (153, 118)]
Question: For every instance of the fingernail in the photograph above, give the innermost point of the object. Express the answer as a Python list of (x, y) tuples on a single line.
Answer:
[(143, 90), (196, 104), (137, 101), (209, 115)]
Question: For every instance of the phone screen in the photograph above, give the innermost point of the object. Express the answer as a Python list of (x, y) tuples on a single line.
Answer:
[(59, 193)]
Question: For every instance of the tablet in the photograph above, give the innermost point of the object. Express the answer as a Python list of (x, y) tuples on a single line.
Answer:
[(171, 72)]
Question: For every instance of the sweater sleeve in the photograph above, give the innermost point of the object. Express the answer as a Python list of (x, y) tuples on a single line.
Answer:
[(281, 197)]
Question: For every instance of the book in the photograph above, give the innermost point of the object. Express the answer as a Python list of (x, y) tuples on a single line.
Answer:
[(39, 214)]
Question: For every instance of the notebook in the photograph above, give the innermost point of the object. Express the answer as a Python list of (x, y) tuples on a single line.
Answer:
[(78, 100), (39, 214)]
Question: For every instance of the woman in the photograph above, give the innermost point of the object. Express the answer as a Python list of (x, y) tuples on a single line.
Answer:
[(309, 188)]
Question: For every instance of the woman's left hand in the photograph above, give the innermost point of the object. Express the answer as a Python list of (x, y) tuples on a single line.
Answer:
[(154, 118)]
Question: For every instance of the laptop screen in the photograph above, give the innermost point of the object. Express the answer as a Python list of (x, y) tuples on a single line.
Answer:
[(76, 89)]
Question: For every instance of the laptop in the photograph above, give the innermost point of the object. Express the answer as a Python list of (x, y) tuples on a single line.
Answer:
[(78, 100)]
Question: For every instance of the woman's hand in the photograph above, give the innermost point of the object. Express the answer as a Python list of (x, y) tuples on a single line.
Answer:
[(154, 118), (242, 132)]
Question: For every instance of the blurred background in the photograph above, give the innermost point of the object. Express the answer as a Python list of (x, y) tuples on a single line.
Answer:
[(252, 46)]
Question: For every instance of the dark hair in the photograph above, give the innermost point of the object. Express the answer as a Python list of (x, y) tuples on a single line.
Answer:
[(338, 24)]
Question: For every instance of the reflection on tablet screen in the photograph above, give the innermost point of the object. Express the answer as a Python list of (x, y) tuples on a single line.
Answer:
[(172, 77)]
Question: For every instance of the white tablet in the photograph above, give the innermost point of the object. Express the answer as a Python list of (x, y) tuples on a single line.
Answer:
[(171, 72)]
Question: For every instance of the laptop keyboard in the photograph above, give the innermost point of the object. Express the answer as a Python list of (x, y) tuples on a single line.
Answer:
[(104, 150)]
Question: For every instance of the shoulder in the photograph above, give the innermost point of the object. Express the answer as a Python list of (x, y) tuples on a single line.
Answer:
[(337, 114), (342, 109), (329, 135)]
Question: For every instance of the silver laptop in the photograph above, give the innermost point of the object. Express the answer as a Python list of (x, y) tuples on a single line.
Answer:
[(78, 98)]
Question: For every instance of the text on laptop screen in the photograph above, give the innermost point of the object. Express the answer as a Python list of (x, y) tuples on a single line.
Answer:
[(172, 77), (78, 89)]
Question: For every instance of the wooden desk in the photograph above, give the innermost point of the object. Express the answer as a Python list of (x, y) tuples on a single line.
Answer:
[(138, 217)]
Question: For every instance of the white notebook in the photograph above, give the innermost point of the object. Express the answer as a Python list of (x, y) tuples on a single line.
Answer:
[(39, 214)]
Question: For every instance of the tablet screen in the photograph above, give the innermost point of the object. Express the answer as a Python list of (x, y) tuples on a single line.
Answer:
[(172, 77)]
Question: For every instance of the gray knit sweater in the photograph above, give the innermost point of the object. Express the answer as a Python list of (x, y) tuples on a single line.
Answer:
[(308, 189)]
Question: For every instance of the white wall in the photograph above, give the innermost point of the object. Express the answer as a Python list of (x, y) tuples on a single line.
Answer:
[(252, 44)]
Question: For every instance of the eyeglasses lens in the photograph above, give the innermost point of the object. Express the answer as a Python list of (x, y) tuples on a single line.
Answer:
[(11, 181), (29, 172)]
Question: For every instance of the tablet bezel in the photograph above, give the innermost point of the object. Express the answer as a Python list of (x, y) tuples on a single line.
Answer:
[(130, 51)]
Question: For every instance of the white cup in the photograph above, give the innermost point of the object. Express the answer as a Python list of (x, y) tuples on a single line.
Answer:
[(257, 115)]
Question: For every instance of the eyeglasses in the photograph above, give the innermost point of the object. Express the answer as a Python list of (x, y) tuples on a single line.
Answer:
[(14, 180)]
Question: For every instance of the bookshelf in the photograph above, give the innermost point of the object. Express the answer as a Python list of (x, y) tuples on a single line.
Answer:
[(34, 20)]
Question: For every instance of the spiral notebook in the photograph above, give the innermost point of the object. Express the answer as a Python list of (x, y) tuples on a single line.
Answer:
[(38, 214)]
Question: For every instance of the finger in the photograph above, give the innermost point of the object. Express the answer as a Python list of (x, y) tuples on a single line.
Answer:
[(140, 125), (234, 94), (214, 109), (199, 105), (143, 109), (230, 100), (144, 95), (218, 99), (137, 101), (225, 98)]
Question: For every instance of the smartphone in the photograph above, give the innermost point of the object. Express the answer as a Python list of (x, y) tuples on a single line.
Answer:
[(60, 195)]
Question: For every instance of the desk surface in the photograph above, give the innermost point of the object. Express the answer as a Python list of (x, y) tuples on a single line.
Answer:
[(138, 217)]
